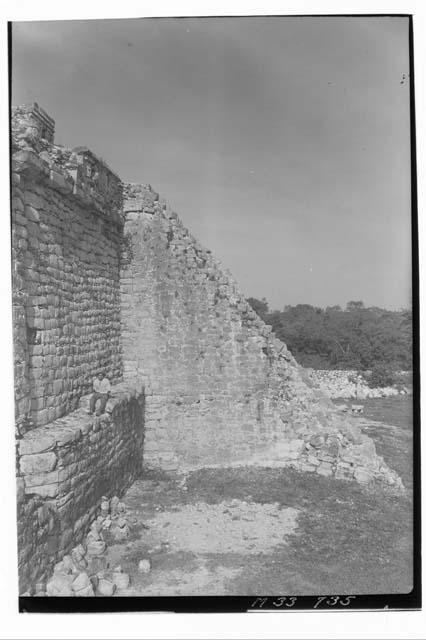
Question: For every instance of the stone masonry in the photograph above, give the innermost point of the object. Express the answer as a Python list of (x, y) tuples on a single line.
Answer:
[(65, 468), (66, 252), (107, 279), (221, 389)]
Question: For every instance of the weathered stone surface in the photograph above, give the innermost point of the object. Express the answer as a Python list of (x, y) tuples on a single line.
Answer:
[(77, 485), (105, 588), (44, 490), (81, 581), (363, 476), (29, 444), (134, 296), (119, 529), (37, 479), (38, 462), (60, 585), (95, 547)]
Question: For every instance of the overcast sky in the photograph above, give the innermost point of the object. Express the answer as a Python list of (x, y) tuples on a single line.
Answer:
[(282, 143)]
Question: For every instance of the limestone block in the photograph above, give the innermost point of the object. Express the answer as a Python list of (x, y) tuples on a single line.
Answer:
[(81, 581), (60, 585), (344, 472), (37, 463), (95, 547), (363, 475), (36, 479), (65, 436), (119, 530), (105, 587), (325, 469), (45, 491), (325, 456), (69, 565)]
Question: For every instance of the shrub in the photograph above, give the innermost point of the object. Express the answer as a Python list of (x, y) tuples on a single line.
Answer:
[(381, 376)]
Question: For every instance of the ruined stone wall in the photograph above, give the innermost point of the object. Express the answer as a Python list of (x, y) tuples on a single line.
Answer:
[(67, 234), (221, 389), (63, 470), (66, 243), (127, 291)]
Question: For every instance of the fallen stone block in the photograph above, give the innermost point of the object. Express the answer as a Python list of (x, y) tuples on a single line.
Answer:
[(68, 564), (105, 587), (95, 547), (60, 585), (94, 533), (81, 581), (363, 476), (119, 530)]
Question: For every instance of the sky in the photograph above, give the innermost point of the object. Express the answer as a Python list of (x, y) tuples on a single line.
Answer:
[(282, 143)]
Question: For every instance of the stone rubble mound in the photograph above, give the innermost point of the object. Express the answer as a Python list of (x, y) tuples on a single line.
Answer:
[(349, 384), (85, 571)]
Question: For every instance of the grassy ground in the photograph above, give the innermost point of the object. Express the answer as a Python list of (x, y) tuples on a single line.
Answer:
[(349, 540)]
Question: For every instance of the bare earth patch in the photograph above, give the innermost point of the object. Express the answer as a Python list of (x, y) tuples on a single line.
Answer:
[(232, 526)]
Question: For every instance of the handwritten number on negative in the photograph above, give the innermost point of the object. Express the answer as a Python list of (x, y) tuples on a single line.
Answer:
[(331, 601)]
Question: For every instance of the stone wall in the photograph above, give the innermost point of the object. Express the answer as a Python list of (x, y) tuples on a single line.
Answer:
[(67, 234), (125, 290), (66, 243), (221, 389), (63, 471)]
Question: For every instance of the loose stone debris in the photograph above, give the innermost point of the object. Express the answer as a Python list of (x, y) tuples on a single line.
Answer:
[(85, 572)]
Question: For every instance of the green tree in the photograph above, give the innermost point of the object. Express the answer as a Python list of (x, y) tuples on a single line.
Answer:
[(357, 338), (260, 306)]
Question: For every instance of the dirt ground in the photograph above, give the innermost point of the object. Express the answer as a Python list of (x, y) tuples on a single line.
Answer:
[(250, 531)]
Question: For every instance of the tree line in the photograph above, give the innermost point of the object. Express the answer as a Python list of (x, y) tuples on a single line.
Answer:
[(357, 337)]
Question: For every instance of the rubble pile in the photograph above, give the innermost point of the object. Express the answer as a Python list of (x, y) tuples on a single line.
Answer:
[(85, 571), (350, 384)]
